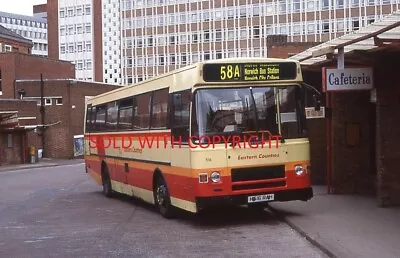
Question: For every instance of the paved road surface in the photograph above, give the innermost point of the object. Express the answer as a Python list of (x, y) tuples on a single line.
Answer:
[(60, 212)]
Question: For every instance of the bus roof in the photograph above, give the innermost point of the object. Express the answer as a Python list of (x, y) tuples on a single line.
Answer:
[(186, 78)]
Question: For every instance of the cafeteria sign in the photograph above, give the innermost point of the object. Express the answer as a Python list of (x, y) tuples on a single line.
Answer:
[(348, 79)]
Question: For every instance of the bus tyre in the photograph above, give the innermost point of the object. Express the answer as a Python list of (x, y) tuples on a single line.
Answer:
[(107, 188), (162, 198)]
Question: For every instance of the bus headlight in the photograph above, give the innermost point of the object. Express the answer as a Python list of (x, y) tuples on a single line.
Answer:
[(299, 170), (215, 177)]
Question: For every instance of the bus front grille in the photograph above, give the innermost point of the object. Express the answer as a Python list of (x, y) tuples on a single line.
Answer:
[(257, 173), (258, 185)]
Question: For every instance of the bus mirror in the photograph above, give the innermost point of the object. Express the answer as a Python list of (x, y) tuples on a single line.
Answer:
[(317, 103)]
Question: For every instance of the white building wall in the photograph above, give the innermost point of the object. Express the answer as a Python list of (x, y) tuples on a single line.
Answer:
[(244, 37), (111, 41)]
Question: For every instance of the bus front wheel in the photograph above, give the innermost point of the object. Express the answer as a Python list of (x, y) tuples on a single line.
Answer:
[(162, 198)]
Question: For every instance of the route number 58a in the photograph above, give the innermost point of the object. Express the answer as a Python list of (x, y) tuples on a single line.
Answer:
[(229, 72)]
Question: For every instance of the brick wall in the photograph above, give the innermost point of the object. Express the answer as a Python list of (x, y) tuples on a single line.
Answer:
[(279, 47), (98, 40), (10, 155), (24, 107), (67, 119), (52, 29), (40, 8), (388, 122), (353, 167), (14, 155), (20, 66), (17, 46)]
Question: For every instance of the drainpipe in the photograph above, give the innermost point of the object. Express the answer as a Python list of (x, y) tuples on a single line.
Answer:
[(23, 147), (42, 111), (15, 88)]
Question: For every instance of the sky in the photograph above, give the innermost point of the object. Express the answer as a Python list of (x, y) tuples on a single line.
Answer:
[(23, 7)]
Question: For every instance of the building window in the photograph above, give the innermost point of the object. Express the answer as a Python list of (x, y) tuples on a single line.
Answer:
[(87, 10), (218, 35), (88, 46), (356, 25), (161, 60), (183, 58), (172, 59), (243, 33), (88, 65), (231, 35), (325, 27), (59, 101), (172, 40), (206, 36), (70, 13), (47, 101), (80, 65), (79, 11), (256, 32), (325, 4), (80, 47), (79, 29)]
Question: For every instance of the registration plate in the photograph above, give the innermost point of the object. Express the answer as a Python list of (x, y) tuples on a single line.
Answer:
[(261, 198)]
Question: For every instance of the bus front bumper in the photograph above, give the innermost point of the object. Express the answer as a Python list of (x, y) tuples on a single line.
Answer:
[(304, 194)]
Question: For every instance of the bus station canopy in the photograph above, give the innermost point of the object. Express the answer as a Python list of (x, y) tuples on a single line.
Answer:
[(380, 34), (10, 121)]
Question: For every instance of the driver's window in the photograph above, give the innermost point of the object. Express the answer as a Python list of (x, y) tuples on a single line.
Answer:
[(180, 115)]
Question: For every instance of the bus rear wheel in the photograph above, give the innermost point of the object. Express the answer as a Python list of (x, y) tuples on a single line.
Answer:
[(162, 198)]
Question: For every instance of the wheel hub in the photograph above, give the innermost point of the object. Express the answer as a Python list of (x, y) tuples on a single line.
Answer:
[(161, 194)]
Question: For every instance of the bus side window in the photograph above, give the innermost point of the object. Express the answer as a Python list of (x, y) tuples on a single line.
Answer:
[(125, 116), (89, 119), (100, 118), (141, 116), (179, 116), (159, 109), (111, 117)]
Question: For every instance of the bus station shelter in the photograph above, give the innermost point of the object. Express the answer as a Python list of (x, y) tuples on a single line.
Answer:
[(359, 77)]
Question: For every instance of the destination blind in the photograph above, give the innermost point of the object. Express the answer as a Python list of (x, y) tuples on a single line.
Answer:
[(249, 72)]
